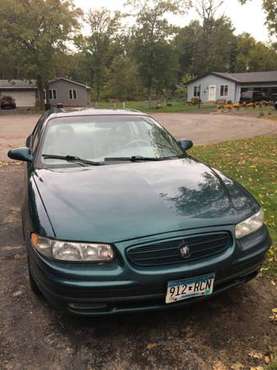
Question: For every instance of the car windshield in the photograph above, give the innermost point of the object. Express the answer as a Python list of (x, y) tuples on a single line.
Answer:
[(106, 139)]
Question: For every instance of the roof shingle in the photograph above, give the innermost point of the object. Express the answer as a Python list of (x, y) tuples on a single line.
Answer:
[(18, 84), (70, 81), (249, 77)]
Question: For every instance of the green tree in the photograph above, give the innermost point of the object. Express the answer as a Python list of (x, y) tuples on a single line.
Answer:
[(152, 43), (8, 62), (36, 32), (208, 48), (78, 67), (210, 45), (217, 37), (101, 46), (253, 55), (123, 81)]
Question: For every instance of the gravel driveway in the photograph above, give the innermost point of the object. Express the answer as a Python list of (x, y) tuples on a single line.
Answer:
[(215, 128), (201, 128), (232, 331)]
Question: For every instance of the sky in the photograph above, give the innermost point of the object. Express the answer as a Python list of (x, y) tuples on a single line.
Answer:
[(246, 18)]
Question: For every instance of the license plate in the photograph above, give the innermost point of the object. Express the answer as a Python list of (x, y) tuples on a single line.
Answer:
[(179, 290)]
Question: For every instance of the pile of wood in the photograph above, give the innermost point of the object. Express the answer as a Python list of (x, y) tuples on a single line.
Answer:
[(230, 106)]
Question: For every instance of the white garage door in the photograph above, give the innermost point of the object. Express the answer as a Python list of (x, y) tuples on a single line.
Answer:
[(23, 98)]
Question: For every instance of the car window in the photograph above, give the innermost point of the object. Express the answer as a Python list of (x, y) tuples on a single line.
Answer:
[(36, 132), (98, 137)]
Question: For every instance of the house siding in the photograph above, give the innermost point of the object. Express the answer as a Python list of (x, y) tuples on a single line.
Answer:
[(210, 80), (62, 94)]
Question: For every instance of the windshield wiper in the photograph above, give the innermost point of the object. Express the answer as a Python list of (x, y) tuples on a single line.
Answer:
[(72, 158), (137, 158)]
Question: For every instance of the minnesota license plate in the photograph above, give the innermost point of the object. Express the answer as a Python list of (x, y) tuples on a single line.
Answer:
[(179, 290)]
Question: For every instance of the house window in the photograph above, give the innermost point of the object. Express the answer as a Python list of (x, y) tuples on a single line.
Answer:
[(224, 90), (52, 94), (196, 91), (72, 94)]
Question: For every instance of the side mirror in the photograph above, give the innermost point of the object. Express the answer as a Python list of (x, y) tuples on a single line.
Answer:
[(185, 144), (21, 154), (28, 141)]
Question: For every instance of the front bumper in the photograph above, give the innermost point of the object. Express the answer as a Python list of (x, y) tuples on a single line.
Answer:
[(107, 289)]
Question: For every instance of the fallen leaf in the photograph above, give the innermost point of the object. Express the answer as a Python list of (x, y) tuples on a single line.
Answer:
[(256, 355), (152, 345), (17, 294), (237, 366), (273, 317), (218, 365)]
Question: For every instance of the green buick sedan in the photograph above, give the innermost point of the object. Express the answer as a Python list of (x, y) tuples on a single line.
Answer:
[(118, 217)]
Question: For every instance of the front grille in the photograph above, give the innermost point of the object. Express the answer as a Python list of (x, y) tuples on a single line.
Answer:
[(169, 252)]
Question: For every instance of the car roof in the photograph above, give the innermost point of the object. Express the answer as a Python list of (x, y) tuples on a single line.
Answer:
[(61, 112)]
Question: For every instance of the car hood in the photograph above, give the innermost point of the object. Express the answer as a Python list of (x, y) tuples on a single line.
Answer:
[(128, 200)]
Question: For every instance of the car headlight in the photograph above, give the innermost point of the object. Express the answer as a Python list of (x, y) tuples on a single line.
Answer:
[(71, 251), (250, 225)]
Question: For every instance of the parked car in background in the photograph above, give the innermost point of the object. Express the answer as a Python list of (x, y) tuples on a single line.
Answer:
[(252, 96), (274, 100), (118, 218), (7, 102)]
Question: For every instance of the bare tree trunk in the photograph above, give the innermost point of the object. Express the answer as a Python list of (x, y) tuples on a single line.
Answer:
[(40, 87), (149, 91), (97, 93)]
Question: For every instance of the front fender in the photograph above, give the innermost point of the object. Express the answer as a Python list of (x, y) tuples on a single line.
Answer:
[(35, 217)]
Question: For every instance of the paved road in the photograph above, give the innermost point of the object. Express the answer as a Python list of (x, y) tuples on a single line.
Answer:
[(201, 128)]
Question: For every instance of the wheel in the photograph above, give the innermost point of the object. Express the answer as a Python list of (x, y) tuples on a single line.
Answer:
[(32, 282)]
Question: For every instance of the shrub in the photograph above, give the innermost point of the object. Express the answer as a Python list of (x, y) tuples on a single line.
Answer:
[(195, 101)]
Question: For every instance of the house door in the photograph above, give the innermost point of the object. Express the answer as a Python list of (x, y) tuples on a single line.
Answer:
[(212, 93)]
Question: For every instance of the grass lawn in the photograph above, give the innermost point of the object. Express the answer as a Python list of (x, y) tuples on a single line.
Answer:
[(252, 162), (154, 106), (178, 106), (173, 106)]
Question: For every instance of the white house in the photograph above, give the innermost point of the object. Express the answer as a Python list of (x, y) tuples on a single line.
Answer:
[(216, 86)]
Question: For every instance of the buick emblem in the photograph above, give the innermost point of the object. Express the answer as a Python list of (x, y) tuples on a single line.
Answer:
[(185, 251)]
